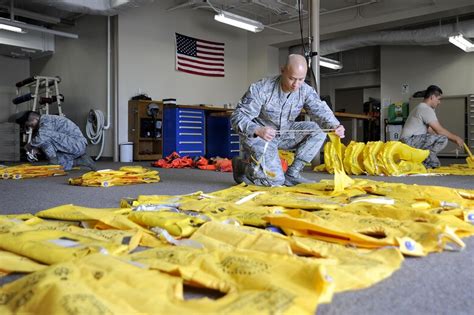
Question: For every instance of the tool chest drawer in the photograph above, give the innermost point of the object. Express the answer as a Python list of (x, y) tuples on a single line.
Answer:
[(221, 140), (184, 131)]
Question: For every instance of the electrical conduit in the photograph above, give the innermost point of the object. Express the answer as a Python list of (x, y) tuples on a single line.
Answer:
[(96, 124)]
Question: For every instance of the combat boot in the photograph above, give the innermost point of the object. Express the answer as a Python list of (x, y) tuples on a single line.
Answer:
[(86, 161), (293, 176), (238, 170)]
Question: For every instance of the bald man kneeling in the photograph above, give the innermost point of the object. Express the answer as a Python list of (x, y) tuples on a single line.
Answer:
[(265, 120)]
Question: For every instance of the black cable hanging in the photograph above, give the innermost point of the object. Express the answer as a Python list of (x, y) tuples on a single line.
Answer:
[(307, 54)]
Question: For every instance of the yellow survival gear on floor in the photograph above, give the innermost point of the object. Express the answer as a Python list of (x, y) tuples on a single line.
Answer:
[(454, 169), (177, 224), (111, 217), (370, 153), (398, 158), (413, 238), (354, 158), (32, 224), (341, 180), (99, 284), (52, 247), (376, 158), (126, 175), (11, 262), (235, 204), (470, 158), (261, 282), (29, 171), (350, 268), (329, 153), (288, 156), (352, 239)]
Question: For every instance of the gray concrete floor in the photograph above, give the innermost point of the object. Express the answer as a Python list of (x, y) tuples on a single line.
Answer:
[(437, 284)]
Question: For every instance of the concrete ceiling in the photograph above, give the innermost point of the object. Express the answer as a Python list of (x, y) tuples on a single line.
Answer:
[(334, 13), (388, 13)]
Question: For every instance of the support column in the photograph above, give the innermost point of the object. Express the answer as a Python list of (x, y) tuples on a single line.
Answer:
[(314, 25), (314, 17)]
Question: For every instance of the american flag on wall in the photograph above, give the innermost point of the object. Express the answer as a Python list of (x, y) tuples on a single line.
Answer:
[(201, 57)]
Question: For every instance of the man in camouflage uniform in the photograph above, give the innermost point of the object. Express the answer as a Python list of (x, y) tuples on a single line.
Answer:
[(422, 129), (59, 138), (265, 120)]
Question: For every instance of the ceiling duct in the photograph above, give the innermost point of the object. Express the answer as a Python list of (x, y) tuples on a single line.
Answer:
[(435, 35), (93, 7), (29, 45)]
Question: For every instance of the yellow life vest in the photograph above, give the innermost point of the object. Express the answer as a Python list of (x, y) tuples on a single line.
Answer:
[(354, 158)]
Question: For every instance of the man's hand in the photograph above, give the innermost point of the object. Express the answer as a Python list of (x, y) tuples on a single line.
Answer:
[(339, 131), (28, 147), (266, 133), (459, 141)]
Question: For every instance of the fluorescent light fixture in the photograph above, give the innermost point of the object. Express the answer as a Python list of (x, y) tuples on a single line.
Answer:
[(462, 42), (29, 51), (10, 28), (239, 21), (330, 63), (24, 26)]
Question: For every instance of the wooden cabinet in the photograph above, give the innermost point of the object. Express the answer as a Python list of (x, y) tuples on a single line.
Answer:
[(145, 121)]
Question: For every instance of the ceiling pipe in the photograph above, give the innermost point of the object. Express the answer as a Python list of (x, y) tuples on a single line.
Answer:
[(31, 15), (349, 7), (435, 35), (110, 7), (305, 16), (185, 5), (341, 74)]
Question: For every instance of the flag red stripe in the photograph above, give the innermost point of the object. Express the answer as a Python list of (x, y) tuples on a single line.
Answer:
[(210, 58), (201, 62), (200, 68), (209, 47), (200, 73)]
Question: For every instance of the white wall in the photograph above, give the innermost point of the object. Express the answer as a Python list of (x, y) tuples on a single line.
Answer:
[(12, 71), (373, 92), (330, 84), (81, 64), (146, 58), (263, 59), (446, 66)]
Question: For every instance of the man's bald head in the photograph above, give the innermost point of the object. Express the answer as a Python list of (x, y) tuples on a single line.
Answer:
[(296, 62), (293, 73)]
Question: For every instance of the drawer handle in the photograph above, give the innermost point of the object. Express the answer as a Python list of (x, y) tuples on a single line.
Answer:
[(190, 142), (190, 122), (189, 116), (234, 151), (190, 111), (189, 151), (190, 134), (234, 142), (189, 127)]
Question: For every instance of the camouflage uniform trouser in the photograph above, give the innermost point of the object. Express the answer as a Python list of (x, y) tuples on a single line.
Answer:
[(265, 166), (62, 147), (434, 143)]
